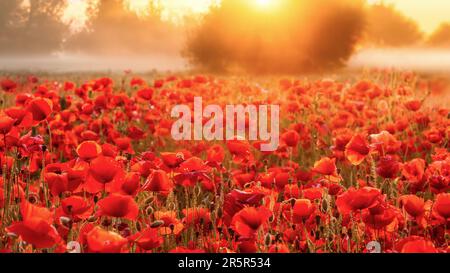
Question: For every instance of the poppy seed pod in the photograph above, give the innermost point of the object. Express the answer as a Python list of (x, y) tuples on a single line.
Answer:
[(157, 223)]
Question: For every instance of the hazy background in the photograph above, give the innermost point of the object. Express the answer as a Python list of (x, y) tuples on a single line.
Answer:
[(256, 36)]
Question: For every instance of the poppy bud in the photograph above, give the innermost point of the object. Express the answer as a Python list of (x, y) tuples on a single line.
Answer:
[(149, 200), (12, 235), (65, 220), (149, 210), (157, 223), (268, 239), (324, 205), (92, 218), (138, 226)]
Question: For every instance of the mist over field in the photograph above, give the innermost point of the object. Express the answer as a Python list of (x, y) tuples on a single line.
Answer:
[(259, 37), (420, 60), (64, 63)]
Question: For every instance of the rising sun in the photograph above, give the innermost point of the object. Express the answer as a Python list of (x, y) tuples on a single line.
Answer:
[(264, 3)]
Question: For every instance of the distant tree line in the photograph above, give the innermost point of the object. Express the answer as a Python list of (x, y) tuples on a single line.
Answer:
[(32, 26), (305, 36)]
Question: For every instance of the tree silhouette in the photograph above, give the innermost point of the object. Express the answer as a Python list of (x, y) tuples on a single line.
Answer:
[(388, 27), (114, 29), (441, 37), (35, 28), (298, 35)]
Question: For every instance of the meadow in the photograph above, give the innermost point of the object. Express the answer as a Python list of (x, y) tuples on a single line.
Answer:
[(89, 165)]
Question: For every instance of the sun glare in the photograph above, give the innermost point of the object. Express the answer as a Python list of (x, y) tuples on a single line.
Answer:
[(264, 3)]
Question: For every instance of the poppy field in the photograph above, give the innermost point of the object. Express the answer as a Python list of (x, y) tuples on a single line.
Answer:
[(89, 165)]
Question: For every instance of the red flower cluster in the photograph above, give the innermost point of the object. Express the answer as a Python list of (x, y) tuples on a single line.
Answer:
[(94, 163)]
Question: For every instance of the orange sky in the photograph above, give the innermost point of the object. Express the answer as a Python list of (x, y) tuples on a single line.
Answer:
[(428, 13)]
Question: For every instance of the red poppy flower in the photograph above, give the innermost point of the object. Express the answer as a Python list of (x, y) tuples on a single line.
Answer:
[(89, 150), (57, 182), (197, 217), (357, 149), (23, 118), (192, 171), (8, 85), (171, 224), (313, 193), (40, 108), (441, 207), (302, 210), (147, 239), (158, 181), (357, 199), (413, 105), (124, 144), (36, 226), (236, 200), (414, 170), (103, 241), (247, 246), (36, 232), (103, 169), (120, 206), (379, 217), (388, 167), (145, 93), (76, 207), (415, 244), (240, 150), (6, 124), (130, 185), (215, 154), (247, 221), (414, 205), (385, 143), (291, 138), (325, 166), (173, 160)]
